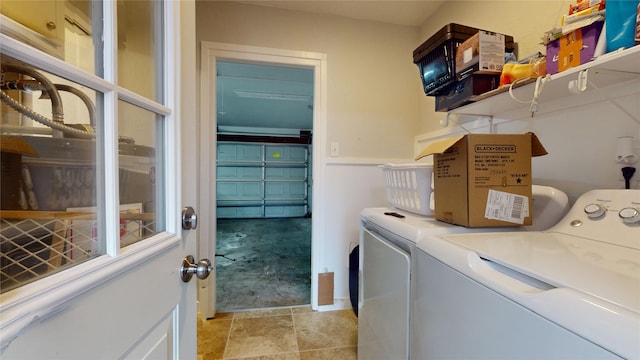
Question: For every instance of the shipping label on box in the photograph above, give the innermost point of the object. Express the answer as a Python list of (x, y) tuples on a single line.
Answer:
[(484, 180), (483, 52)]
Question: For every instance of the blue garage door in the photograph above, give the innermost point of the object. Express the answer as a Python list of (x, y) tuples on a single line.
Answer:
[(260, 180)]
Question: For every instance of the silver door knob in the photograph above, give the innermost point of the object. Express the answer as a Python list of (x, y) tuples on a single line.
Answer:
[(202, 269)]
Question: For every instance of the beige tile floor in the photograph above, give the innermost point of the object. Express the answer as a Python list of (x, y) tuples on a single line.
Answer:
[(293, 333)]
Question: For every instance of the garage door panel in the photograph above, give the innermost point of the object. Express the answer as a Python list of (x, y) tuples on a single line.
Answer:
[(262, 180)]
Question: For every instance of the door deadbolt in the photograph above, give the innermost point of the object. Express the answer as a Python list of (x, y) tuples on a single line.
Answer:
[(202, 269), (189, 218)]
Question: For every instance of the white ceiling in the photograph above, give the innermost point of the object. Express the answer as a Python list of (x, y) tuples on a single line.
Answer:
[(278, 100), (272, 98), (400, 12)]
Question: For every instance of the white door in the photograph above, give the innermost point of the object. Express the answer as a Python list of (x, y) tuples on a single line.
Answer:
[(129, 303)]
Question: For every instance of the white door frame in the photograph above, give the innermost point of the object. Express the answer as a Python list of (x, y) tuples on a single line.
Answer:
[(210, 53)]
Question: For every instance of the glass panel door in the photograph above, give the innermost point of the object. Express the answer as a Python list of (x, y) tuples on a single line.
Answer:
[(140, 47), (82, 126), (140, 174)]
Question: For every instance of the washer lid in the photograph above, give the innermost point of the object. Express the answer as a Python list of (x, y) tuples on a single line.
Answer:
[(401, 223), (414, 227), (602, 270)]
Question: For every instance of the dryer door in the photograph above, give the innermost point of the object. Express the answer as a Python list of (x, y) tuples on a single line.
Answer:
[(383, 322)]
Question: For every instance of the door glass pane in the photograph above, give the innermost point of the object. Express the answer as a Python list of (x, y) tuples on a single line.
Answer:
[(140, 47), (49, 175), (140, 156), (70, 30), (54, 177)]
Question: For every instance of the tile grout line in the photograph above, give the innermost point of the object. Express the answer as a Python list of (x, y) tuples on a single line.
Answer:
[(295, 330), (226, 343)]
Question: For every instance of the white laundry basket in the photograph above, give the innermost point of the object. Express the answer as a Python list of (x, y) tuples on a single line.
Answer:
[(409, 187)]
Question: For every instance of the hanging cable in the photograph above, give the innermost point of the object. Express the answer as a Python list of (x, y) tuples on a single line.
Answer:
[(540, 81)]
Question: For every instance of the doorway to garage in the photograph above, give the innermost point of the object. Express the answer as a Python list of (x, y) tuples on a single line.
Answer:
[(264, 178)]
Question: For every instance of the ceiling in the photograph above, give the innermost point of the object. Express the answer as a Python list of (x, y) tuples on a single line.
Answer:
[(253, 98), (265, 99), (400, 12)]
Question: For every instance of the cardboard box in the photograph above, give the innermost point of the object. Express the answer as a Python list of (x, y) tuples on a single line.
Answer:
[(325, 288), (573, 49), (483, 180), (483, 52)]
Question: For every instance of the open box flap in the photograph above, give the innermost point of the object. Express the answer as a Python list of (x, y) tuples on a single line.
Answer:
[(441, 146)]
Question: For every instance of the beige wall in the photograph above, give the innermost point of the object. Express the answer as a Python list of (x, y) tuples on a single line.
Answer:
[(376, 104), (526, 21), (372, 81)]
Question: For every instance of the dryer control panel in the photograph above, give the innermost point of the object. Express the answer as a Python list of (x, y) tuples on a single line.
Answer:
[(611, 216)]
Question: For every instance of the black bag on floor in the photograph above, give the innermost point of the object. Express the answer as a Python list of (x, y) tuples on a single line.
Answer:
[(354, 265)]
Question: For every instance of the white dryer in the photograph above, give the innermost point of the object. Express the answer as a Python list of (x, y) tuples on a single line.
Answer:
[(388, 273), (572, 292)]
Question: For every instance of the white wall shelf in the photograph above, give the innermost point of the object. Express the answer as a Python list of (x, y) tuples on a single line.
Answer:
[(611, 76)]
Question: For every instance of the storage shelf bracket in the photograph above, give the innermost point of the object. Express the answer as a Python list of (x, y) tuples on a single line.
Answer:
[(459, 119), (580, 84), (582, 81)]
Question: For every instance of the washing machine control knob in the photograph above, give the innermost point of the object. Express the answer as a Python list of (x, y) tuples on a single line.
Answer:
[(594, 211), (630, 215)]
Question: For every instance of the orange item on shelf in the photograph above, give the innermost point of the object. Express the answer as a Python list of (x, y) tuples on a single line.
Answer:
[(513, 71)]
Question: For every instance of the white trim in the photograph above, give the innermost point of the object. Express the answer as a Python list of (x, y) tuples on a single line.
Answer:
[(172, 133), (145, 103), (210, 52), (172, 80), (318, 224), (109, 140), (347, 161), (207, 174), (111, 184), (46, 62), (46, 297)]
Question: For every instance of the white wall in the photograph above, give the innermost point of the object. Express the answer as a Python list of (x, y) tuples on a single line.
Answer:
[(371, 101), (351, 188), (581, 145)]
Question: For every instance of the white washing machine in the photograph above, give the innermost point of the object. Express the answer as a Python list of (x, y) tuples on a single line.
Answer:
[(572, 292), (388, 273)]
